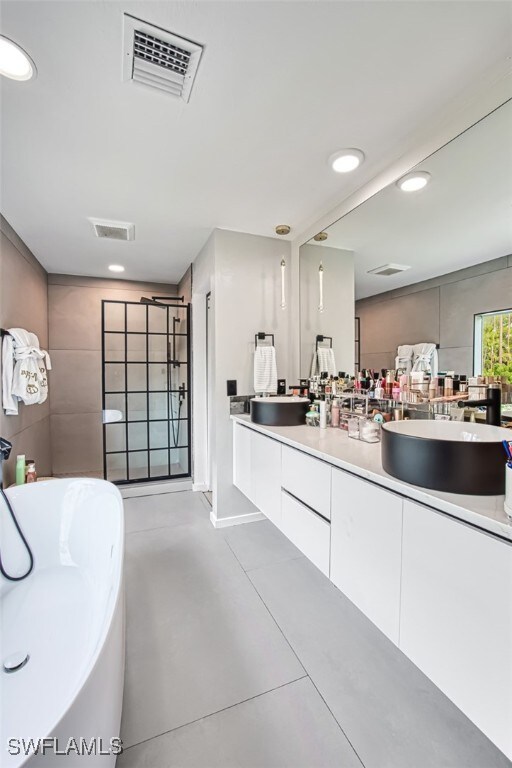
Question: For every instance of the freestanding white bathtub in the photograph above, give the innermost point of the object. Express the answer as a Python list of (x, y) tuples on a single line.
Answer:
[(68, 616)]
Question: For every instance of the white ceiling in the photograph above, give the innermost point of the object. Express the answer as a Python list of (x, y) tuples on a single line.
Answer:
[(280, 87), (462, 217)]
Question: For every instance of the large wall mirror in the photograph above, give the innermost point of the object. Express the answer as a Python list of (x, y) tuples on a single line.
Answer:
[(462, 218)]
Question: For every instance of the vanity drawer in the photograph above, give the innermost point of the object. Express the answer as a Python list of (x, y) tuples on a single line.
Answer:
[(307, 479), (308, 531)]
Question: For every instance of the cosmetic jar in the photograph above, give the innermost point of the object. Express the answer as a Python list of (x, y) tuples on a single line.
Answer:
[(353, 427), (369, 430)]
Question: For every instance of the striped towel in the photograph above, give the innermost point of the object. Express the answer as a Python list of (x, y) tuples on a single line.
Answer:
[(323, 360), (265, 370)]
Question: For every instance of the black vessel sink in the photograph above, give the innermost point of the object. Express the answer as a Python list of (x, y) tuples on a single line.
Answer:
[(450, 456), (279, 411)]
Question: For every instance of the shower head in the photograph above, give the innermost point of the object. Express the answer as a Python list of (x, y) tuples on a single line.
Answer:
[(157, 301), (145, 300)]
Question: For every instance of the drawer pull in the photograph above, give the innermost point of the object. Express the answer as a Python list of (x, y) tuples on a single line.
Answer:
[(296, 498)]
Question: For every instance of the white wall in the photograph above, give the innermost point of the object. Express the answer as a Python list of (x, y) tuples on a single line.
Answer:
[(202, 284), (337, 319), (243, 274), (247, 300)]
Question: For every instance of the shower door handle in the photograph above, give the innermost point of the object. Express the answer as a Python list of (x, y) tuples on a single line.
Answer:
[(111, 415)]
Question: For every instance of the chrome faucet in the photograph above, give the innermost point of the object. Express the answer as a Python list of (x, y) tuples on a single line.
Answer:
[(492, 405)]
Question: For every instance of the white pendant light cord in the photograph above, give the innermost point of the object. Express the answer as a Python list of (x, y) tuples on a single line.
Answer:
[(283, 289), (321, 288)]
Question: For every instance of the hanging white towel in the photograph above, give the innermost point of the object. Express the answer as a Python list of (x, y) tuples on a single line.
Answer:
[(425, 358), (24, 370), (265, 370), (323, 361), (404, 357)]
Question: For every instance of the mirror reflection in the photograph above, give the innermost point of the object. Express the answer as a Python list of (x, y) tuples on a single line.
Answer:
[(326, 306), (430, 266)]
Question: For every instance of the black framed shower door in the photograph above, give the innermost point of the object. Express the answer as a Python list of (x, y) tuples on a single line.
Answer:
[(145, 391)]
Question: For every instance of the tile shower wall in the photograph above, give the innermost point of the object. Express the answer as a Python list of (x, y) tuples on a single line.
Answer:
[(24, 304), (75, 347), (440, 310)]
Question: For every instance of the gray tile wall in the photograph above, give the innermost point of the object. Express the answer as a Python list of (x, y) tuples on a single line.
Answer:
[(75, 347), (440, 310), (24, 304)]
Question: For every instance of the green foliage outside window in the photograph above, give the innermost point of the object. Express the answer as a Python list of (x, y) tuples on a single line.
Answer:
[(497, 345)]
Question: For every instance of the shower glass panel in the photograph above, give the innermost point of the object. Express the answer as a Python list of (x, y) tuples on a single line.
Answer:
[(146, 387)]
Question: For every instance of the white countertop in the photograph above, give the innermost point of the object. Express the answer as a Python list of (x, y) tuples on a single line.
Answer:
[(364, 460)]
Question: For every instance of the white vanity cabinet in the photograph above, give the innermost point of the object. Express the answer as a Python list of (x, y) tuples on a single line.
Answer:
[(306, 505), (257, 470), (437, 587), (308, 479), (366, 544), (308, 531), (456, 615), (266, 476)]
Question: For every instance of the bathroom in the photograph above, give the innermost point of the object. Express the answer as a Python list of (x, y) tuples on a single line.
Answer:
[(210, 564)]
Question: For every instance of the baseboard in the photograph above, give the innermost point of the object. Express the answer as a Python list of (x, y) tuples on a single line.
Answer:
[(152, 489), (202, 487), (225, 522)]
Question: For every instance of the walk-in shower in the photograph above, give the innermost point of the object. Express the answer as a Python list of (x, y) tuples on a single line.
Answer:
[(146, 389)]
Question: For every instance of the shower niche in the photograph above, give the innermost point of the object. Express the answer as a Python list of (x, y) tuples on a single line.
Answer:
[(146, 390)]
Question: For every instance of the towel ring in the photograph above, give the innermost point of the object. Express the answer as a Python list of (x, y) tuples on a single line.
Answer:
[(261, 336), (321, 338)]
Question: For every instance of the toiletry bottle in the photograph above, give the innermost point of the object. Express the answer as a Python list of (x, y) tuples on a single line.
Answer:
[(389, 383), (335, 413), (20, 469), (323, 414), (312, 416), (31, 474)]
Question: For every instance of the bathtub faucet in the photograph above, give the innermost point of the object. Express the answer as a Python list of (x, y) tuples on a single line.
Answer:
[(5, 452), (5, 448)]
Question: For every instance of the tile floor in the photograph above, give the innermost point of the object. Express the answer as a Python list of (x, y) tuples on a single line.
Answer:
[(241, 654)]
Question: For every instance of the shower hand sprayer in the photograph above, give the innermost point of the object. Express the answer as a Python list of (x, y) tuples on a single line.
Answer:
[(5, 452)]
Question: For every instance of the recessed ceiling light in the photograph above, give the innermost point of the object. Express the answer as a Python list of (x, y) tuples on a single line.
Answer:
[(116, 268), (14, 62), (346, 160), (414, 181)]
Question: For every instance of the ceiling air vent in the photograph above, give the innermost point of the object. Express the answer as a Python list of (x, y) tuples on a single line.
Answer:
[(113, 230), (159, 59), (388, 269)]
